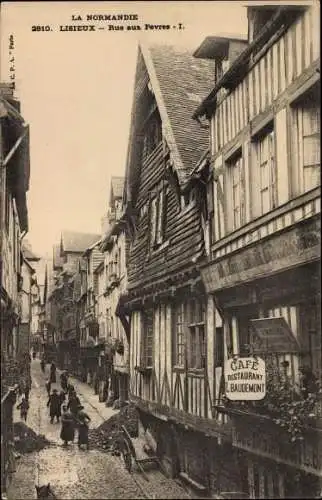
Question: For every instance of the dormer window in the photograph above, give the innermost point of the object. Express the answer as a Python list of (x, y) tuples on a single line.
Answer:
[(259, 17)]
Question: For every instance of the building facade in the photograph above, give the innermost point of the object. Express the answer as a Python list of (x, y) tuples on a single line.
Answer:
[(64, 308), (27, 273), (112, 285), (165, 301), (14, 183), (262, 274), (91, 338)]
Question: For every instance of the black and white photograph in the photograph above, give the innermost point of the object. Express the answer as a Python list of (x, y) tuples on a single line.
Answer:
[(160, 250)]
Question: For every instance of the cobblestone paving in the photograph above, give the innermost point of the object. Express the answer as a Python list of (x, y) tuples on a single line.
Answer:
[(77, 474)]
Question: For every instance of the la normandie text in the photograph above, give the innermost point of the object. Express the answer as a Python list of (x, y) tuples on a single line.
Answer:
[(106, 17)]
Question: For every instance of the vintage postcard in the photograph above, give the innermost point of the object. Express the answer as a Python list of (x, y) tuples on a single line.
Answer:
[(160, 250)]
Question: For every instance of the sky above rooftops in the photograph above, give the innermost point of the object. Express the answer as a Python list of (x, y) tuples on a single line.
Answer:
[(76, 93)]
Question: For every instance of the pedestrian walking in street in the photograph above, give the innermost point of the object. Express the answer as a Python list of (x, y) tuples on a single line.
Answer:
[(64, 380), (23, 407), (53, 373), (67, 432), (54, 406), (28, 387), (82, 420), (48, 386), (42, 364), (73, 403)]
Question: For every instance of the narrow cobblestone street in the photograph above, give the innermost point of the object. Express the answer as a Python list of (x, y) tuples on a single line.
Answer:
[(73, 473)]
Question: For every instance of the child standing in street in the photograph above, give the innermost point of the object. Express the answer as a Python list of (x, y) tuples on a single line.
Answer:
[(54, 406), (23, 407)]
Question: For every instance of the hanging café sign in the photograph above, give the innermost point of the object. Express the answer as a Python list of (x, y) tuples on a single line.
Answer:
[(245, 379)]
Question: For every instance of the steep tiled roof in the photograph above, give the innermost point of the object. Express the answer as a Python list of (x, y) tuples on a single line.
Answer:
[(117, 185), (180, 82), (77, 242)]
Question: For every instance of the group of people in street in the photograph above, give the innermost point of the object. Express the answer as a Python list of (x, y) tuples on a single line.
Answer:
[(67, 406), (63, 404)]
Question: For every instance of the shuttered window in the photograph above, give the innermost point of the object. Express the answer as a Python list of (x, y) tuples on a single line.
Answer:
[(197, 339), (310, 137), (180, 337), (236, 192), (263, 185), (306, 142), (147, 339), (266, 165)]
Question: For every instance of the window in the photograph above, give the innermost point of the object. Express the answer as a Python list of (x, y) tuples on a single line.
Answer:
[(152, 134), (196, 329), (147, 340), (306, 143), (259, 18), (219, 347), (263, 180), (235, 195), (158, 218), (267, 169), (179, 329), (311, 337)]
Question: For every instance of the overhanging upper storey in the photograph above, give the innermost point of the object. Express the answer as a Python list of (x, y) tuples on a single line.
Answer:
[(262, 33)]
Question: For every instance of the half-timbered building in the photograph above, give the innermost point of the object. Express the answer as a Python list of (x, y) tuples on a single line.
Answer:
[(165, 301), (94, 343), (72, 247), (114, 284), (14, 184), (263, 264)]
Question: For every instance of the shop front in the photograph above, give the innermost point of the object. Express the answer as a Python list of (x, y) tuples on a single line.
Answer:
[(268, 297)]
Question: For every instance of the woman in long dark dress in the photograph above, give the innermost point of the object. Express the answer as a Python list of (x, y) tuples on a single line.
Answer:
[(73, 404), (83, 421), (64, 381), (67, 432)]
